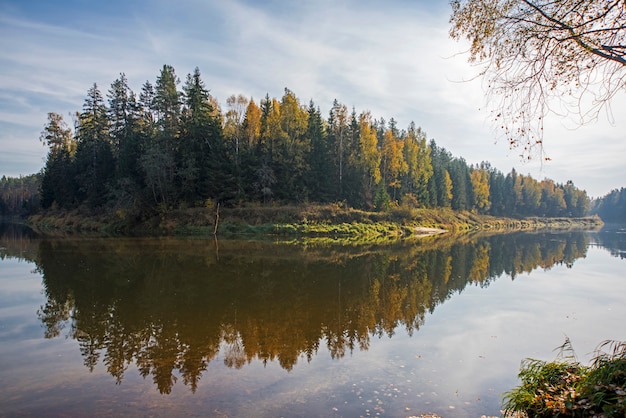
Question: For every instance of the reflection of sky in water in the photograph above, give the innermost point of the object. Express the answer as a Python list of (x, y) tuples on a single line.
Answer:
[(20, 290), (457, 364)]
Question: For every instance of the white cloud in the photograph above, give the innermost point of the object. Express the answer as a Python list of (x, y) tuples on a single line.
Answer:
[(392, 58)]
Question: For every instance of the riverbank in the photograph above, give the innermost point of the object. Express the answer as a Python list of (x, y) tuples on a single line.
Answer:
[(330, 220), (567, 388)]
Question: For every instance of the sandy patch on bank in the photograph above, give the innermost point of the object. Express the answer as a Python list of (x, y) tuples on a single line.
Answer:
[(422, 231)]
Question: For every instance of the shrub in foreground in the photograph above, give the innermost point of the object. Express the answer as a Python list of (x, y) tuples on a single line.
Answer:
[(566, 388)]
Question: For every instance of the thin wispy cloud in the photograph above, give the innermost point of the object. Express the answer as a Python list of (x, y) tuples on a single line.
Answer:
[(393, 58)]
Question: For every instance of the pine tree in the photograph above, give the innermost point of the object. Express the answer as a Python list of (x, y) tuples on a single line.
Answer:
[(319, 180), (337, 127), (95, 164), (58, 183), (462, 197), (419, 170), (440, 184), (159, 158), (203, 167), (497, 192)]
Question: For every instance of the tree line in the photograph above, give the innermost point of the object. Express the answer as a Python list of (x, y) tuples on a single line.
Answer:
[(169, 148), (612, 207), (19, 196)]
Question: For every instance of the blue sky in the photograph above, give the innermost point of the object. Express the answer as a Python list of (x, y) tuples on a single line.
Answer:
[(393, 58)]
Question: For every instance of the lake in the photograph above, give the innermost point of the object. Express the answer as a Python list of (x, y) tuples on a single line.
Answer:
[(194, 327)]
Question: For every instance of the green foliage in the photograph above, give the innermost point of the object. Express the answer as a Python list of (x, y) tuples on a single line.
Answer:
[(604, 390), (19, 196), (381, 198), (172, 148), (94, 162), (565, 388), (546, 389)]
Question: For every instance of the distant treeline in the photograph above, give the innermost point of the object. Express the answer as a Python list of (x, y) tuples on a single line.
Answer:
[(19, 196), (612, 207), (166, 148)]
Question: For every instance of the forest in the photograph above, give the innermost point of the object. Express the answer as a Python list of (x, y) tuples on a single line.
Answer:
[(612, 207), (170, 147)]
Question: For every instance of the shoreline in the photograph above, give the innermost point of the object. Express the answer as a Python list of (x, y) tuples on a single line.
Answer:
[(304, 221)]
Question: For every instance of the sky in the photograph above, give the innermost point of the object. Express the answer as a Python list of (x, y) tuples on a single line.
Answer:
[(392, 57)]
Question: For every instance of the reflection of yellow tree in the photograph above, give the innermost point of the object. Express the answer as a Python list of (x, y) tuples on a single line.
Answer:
[(390, 304), (171, 307), (447, 270), (417, 303), (480, 264)]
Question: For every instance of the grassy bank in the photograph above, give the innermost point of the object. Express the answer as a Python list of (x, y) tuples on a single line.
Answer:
[(564, 387), (331, 220)]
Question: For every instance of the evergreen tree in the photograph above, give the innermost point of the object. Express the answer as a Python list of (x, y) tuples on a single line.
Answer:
[(20, 196), (169, 147), (125, 120), (147, 102), (462, 198), (612, 207), (576, 200), (354, 189), (159, 158), (337, 127), (440, 184), (319, 179), (95, 164), (512, 193), (497, 192), (58, 183), (204, 170), (382, 201), (119, 111), (419, 165), (167, 102)]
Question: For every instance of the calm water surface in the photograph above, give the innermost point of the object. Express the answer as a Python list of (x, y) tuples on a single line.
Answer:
[(189, 327)]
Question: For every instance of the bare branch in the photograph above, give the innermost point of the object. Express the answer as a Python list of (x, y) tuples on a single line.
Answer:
[(537, 53)]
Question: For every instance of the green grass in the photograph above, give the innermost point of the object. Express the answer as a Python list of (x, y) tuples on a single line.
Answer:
[(566, 388), (333, 220)]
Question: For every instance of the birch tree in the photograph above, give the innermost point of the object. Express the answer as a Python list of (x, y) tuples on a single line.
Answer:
[(544, 56)]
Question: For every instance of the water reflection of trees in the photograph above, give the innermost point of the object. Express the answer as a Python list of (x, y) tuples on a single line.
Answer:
[(17, 241), (172, 306), (613, 238)]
